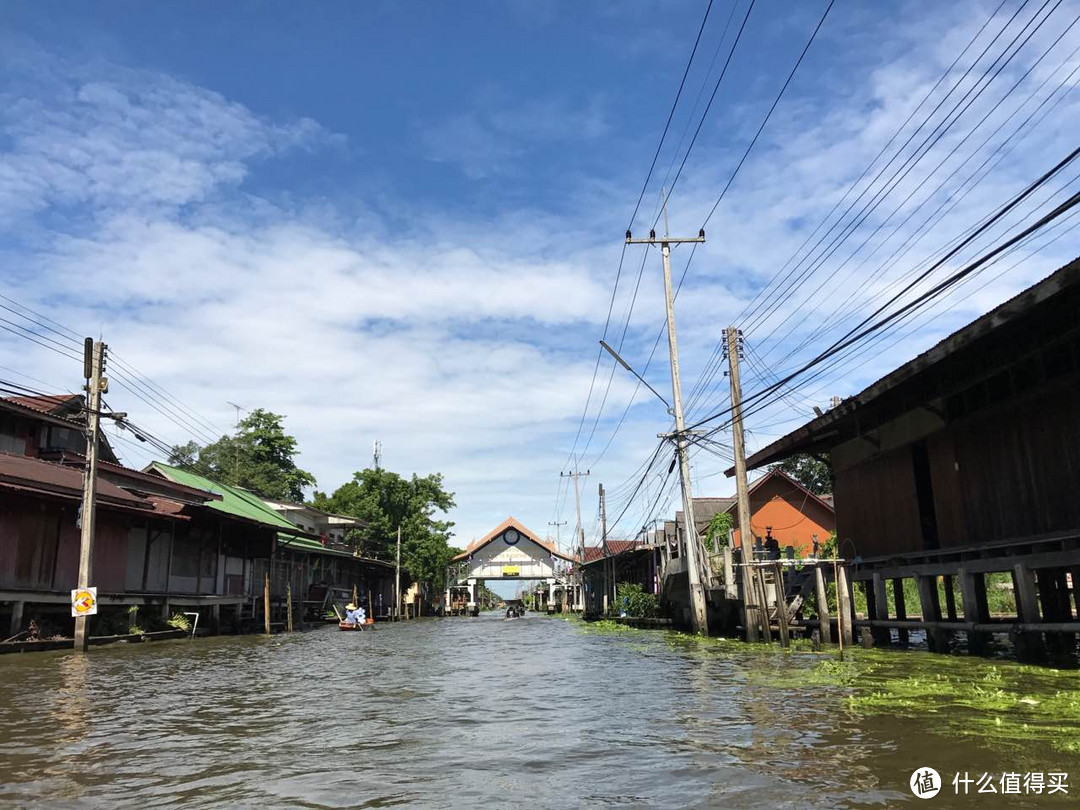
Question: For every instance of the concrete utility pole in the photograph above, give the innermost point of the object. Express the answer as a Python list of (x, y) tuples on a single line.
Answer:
[(698, 615), (603, 542), (746, 535), (96, 385), (557, 524), (397, 579), (579, 530)]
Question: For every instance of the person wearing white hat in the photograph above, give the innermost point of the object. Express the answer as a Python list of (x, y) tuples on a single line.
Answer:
[(355, 615)]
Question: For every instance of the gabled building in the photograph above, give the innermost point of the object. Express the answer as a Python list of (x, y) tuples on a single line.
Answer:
[(965, 462), (30, 426), (784, 510), (332, 529)]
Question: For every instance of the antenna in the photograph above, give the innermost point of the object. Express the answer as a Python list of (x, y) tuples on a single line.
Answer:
[(376, 452), (239, 408)]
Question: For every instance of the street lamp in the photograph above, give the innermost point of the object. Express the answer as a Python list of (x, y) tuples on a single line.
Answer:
[(643, 381)]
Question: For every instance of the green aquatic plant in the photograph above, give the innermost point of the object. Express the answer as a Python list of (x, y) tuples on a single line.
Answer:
[(1003, 706), (607, 626), (180, 622)]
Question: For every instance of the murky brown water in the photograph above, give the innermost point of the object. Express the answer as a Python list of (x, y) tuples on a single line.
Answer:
[(478, 712)]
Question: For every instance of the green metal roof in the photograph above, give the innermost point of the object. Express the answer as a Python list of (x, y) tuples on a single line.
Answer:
[(233, 501), (240, 502)]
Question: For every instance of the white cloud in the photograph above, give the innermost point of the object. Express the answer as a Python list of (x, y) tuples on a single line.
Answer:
[(116, 138)]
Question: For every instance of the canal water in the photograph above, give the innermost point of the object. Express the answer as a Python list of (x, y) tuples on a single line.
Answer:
[(538, 712)]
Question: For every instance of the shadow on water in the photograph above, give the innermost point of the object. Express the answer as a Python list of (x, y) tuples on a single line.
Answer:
[(538, 711)]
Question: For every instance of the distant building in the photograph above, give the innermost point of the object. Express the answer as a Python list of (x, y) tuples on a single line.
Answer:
[(330, 528)]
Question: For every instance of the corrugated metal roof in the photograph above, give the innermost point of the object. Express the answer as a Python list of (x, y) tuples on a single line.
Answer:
[(234, 501), (593, 553), (62, 480), (50, 403)]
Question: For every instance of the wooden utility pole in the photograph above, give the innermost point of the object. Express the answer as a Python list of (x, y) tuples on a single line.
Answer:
[(751, 582), (579, 530), (694, 553), (96, 385), (397, 579), (266, 603), (288, 605)]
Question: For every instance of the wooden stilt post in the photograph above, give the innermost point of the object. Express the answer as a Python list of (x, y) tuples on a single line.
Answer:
[(950, 598), (288, 605), (763, 603), (882, 635), (845, 615), (901, 610), (1075, 575), (931, 612), (266, 603), (1027, 605), (781, 606), (970, 600), (16, 618), (822, 597), (1055, 606), (839, 609), (370, 613), (1029, 646)]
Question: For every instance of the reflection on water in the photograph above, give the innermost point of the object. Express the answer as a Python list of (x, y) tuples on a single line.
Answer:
[(457, 712)]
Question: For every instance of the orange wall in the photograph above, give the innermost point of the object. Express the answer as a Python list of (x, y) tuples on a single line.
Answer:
[(794, 517)]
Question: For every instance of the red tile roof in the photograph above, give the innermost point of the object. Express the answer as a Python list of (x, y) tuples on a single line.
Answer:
[(593, 553), (49, 404)]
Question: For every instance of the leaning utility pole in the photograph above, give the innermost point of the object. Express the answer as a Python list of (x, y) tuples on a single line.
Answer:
[(94, 367), (746, 534), (580, 528), (397, 579), (698, 617)]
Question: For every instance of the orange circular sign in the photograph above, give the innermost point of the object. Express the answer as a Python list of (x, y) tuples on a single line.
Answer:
[(83, 602)]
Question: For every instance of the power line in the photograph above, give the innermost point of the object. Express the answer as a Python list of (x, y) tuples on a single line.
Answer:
[(865, 327)]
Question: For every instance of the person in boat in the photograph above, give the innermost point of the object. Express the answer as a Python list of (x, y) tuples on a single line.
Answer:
[(354, 615)]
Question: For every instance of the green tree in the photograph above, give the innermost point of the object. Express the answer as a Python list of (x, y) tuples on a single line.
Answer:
[(385, 500), (261, 457), (810, 471), (718, 532)]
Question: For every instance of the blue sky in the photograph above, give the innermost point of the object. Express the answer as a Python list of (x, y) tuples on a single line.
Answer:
[(402, 221)]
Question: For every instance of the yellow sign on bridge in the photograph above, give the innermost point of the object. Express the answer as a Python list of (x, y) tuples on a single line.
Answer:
[(511, 570)]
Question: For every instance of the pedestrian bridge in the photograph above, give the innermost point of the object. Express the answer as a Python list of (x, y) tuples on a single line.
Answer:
[(509, 551)]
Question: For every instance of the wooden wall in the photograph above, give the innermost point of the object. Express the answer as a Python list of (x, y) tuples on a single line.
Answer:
[(876, 505), (1006, 472)]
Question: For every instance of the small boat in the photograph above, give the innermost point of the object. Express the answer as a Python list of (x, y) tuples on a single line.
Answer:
[(349, 626)]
